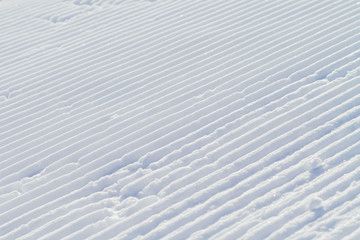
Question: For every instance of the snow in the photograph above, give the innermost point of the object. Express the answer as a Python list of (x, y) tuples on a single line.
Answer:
[(179, 119)]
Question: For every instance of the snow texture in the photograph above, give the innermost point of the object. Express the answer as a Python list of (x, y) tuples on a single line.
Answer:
[(179, 119)]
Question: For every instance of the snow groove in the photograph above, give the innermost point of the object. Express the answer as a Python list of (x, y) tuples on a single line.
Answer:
[(179, 119)]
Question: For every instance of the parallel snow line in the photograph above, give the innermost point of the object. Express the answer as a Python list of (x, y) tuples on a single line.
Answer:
[(353, 113), (266, 106), (344, 210), (125, 8), (305, 194), (215, 134), (299, 207), (354, 235), (196, 210), (146, 39), (130, 41), (70, 33), (331, 205), (18, 27), (316, 133), (43, 227), (348, 223), (183, 235), (54, 58), (232, 147), (274, 111), (12, 14), (179, 199), (336, 137), (241, 113), (38, 223)]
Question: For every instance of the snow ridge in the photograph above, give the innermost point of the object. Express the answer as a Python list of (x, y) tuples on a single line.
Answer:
[(179, 119)]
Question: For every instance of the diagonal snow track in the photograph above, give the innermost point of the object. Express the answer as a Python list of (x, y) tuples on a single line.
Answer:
[(179, 119)]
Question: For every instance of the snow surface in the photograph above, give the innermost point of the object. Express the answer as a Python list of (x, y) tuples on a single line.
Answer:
[(179, 119)]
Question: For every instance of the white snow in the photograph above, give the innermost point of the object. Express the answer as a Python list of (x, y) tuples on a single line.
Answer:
[(179, 119)]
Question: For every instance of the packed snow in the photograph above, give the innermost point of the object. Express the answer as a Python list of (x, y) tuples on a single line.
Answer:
[(179, 119)]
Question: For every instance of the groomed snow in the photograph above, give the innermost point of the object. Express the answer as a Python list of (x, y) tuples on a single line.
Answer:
[(179, 119)]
